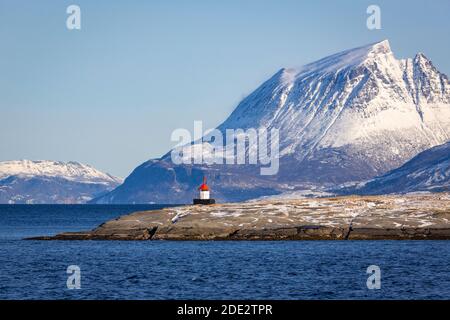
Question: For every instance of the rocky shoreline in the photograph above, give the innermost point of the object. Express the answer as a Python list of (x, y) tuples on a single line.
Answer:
[(393, 217)]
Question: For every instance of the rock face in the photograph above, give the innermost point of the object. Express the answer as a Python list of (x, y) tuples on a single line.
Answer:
[(348, 117), (341, 218), (52, 182), (428, 171)]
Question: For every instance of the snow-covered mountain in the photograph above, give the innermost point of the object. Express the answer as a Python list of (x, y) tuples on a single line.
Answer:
[(26, 181), (348, 117), (428, 171), (358, 100)]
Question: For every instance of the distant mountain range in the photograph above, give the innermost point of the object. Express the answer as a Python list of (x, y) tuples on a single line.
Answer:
[(52, 182), (428, 171), (348, 117)]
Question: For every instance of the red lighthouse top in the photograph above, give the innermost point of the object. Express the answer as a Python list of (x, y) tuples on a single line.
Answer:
[(204, 186)]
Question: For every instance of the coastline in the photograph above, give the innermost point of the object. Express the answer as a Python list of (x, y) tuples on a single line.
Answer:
[(386, 217)]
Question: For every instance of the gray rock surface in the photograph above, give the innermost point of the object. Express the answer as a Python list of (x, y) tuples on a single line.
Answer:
[(418, 216)]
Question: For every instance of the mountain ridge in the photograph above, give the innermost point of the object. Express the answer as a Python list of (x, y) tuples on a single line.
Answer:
[(71, 170), (428, 171)]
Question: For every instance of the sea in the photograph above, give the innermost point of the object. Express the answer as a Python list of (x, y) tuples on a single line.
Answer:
[(287, 270)]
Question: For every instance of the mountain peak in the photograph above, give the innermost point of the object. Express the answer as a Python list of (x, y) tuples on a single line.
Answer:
[(345, 59), (381, 47), (379, 51), (421, 59)]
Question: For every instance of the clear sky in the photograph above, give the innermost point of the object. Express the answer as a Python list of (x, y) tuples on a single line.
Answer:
[(111, 93)]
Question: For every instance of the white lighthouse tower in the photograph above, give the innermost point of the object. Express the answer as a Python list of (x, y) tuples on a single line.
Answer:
[(204, 192), (204, 197)]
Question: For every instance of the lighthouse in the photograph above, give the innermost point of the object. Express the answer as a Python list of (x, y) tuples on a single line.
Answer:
[(204, 197)]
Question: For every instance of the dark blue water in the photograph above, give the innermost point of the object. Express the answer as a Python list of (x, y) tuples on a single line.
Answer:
[(205, 270)]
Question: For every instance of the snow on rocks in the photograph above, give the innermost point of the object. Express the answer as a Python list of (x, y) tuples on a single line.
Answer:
[(424, 216)]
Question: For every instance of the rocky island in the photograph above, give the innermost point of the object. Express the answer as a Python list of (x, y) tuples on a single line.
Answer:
[(413, 216)]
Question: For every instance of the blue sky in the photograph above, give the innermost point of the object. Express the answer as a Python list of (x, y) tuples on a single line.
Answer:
[(111, 93)]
